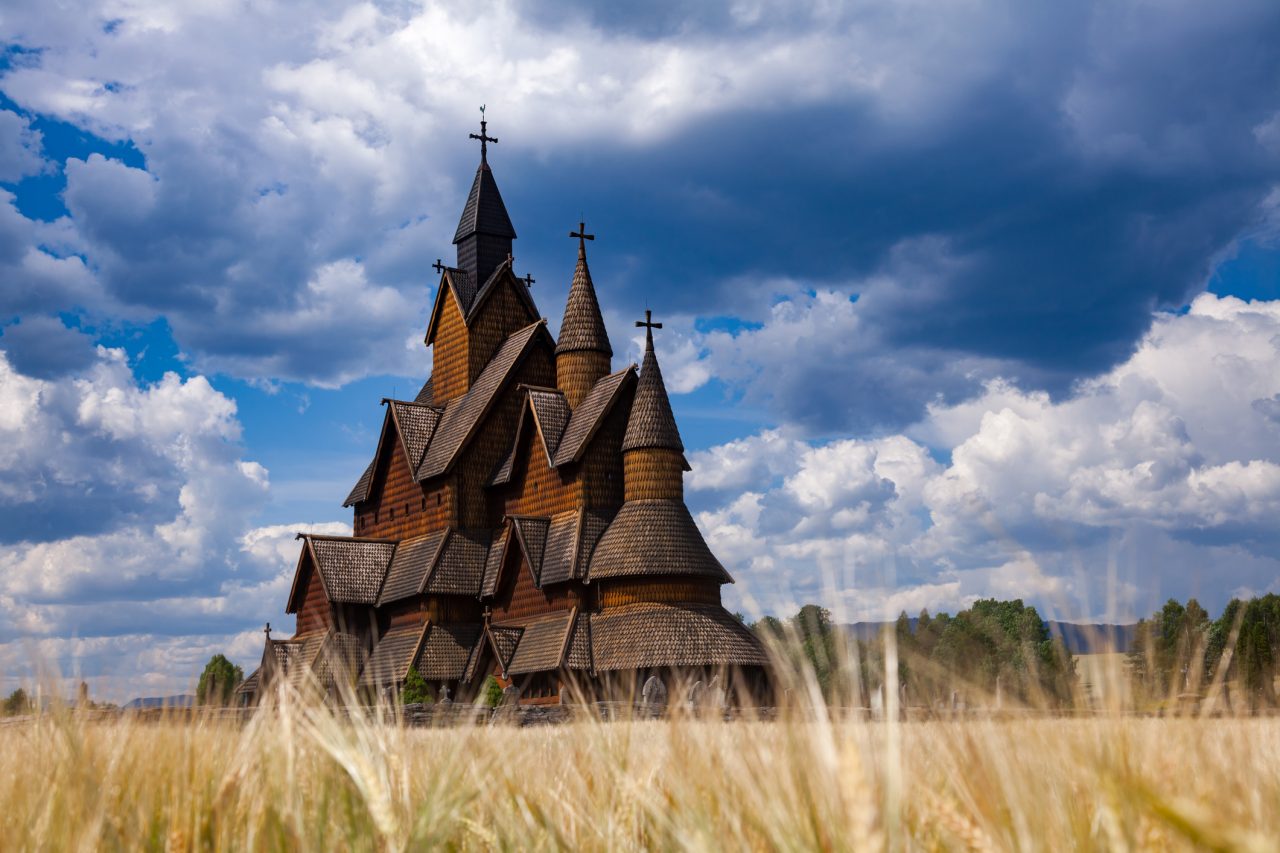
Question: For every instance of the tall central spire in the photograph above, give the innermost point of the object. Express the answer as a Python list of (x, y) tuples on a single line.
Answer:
[(484, 232)]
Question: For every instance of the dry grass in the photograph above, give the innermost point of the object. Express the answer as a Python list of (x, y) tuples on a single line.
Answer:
[(300, 779)]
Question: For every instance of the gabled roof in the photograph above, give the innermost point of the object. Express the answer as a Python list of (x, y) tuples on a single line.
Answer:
[(542, 644), (561, 551), (395, 653), (503, 639), (484, 212), (350, 569), (546, 411), (650, 634), (583, 327), (651, 423), (413, 561), (470, 296), (531, 535), (590, 414), (493, 563), (654, 537), (416, 424), (462, 417), (459, 569), (447, 650), (360, 491)]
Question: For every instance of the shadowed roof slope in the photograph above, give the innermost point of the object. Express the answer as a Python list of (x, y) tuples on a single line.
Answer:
[(654, 537), (591, 412), (484, 212)]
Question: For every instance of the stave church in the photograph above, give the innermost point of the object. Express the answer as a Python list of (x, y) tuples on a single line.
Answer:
[(522, 518)]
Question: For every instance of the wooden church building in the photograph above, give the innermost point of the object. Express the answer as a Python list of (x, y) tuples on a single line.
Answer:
[(522, 517)]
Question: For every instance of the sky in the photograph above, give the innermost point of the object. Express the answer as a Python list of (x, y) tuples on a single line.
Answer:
[(960, 299)]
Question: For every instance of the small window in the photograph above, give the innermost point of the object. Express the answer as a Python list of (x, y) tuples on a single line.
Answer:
[(406, 508), (391, 514), (439, 499), (424, 503)]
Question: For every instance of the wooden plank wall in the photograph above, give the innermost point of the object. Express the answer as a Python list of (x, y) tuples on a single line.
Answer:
[(399, 508), (502, 314), (450, 357), (315, 613)]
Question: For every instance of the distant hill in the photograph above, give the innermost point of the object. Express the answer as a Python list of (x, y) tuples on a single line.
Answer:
[(184, 701), (1080, 639)]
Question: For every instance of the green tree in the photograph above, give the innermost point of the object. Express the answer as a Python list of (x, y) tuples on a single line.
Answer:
[(416, 690), (491, 692), (1252, 665), (1169, 650), (17, 703), (218, 681)]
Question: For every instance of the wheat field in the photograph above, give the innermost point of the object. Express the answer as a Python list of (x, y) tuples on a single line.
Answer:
[(298, 777)]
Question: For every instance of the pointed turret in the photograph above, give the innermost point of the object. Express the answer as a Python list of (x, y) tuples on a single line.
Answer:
[(583, 354), (653, 454), (484, 232)]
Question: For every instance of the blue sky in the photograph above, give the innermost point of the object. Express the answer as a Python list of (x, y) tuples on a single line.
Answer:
[(960, 299)]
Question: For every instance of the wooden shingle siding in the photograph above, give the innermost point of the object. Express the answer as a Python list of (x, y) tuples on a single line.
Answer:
[(518, 598), (315, 613), (653, 474), (601, 470), (536, 488), (399, 508), (451, 356), (501, 315), (577, 373), (670, 590)]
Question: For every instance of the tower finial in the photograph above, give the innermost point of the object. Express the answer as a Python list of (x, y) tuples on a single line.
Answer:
[(582, 236), (484, 138), (648, 325), (267, 630)]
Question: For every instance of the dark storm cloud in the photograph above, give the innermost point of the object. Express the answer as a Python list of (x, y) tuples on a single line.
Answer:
[(46, 349)]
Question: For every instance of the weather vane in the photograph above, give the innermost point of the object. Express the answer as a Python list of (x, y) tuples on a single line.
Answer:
[(484, 137)]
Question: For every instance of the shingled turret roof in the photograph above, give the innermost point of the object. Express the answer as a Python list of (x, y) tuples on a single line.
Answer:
[(651, 423), (583, 325), (484, 212)]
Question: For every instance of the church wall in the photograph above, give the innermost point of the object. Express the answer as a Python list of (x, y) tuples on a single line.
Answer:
[(403, 508), (669, 590), (315, 613), (601, 469), (449, 360), (577, 372), (536, 488), (518, 598), (482, 456), (501, 315), (652, 473)]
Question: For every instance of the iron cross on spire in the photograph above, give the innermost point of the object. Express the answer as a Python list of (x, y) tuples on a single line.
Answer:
[(484, 137), (648, 325), (582, 235)]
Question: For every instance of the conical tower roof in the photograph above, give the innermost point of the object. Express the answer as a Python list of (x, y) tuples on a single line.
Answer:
[(583, 325), (484, 212), (652, 423)]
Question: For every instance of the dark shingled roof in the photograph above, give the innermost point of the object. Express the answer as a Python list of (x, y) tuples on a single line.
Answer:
[(352, 569), (447, 650), (551, 413), (484, 212), (651, 423), (360, 490), (464, 289), (249, 686), (541, 644), (426, 396), (654, 537), (504, 639), (459, 570), (583, 326), (591, 412), (416, 424), (649, 634), (392, 657), (594, 524), (493, 562), (560, 554), (578, 655), (479, 653), (463, 415), (531, 534), (410, 565), (339, 657)]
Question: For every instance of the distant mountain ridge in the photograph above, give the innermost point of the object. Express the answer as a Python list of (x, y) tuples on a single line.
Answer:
[(1079, 638)]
